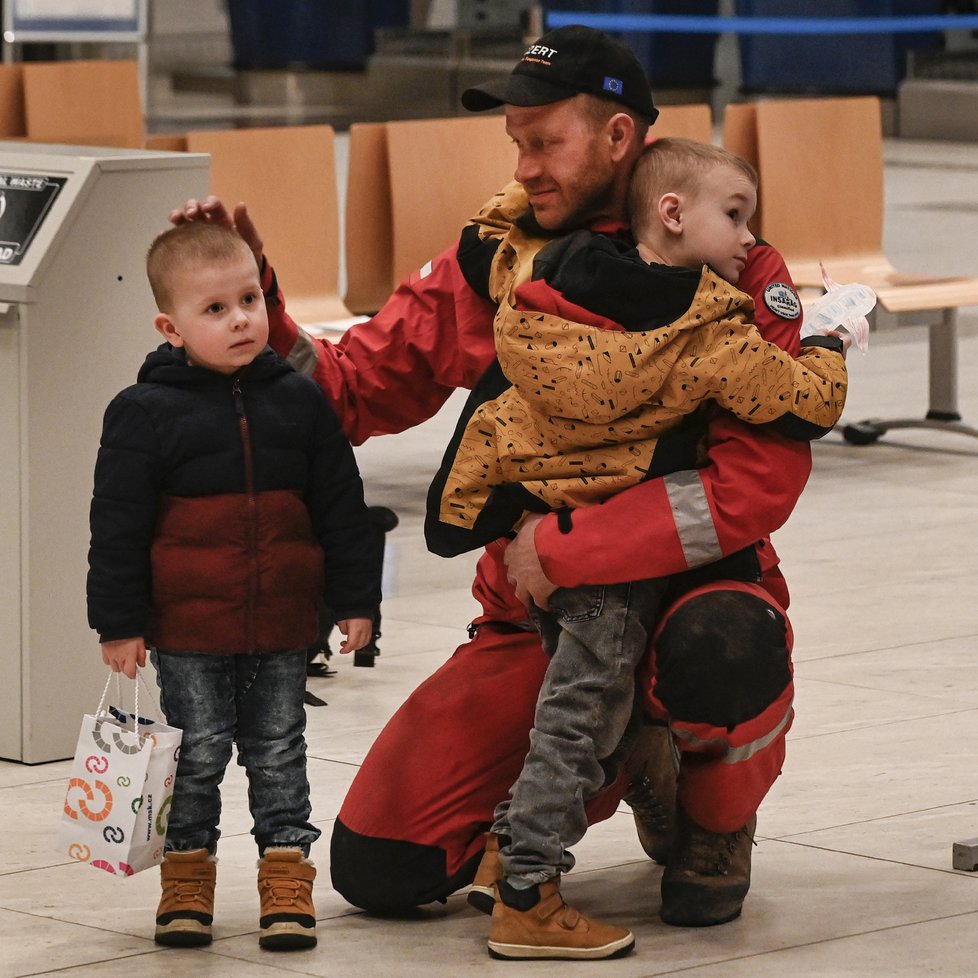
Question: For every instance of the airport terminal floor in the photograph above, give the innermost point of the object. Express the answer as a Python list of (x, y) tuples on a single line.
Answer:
[(852, 868)]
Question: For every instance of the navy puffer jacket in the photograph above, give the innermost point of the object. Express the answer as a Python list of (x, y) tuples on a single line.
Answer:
[(225, 509)]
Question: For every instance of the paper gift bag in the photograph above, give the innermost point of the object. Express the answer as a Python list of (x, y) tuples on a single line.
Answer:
[(118, 799)]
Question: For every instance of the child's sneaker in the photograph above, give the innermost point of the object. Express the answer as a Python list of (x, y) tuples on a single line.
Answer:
[(288, 918), (186, 910), (536, 923), (482, 895)]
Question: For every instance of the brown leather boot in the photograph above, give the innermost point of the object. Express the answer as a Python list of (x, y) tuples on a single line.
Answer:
[(708, 877), (536, 923), (288, 917), (482, 896), (651, 791), (186, 910)]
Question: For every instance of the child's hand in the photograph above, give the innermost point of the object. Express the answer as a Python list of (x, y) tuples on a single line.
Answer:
[(358, 632), (124, 655)]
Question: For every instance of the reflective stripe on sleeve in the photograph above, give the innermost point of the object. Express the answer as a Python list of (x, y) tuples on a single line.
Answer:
[(694, 521), (304, 357), (734, 755)]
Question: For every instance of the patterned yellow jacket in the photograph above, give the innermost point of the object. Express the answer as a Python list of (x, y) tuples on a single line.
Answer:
[(578, 410)]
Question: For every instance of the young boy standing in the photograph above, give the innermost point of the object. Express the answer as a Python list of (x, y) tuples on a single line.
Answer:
[(227, 503), (602, 348)]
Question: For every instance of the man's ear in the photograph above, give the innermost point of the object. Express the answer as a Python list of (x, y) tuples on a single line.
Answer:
[(671, 213), (165, 327), (621, 134)]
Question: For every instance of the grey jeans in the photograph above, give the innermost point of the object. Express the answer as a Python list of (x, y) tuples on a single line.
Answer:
[(253, 702), (583, 711)]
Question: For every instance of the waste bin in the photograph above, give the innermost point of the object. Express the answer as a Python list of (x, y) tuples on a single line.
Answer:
[(322, 35), (830, 64), (670, 60)]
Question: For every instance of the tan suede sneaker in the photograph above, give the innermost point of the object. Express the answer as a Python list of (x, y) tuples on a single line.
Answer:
[(482, 895), (288, 917), (186, 910), (536, 923)]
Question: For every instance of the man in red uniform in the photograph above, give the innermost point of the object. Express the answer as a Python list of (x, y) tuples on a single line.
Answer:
[(716, 685)]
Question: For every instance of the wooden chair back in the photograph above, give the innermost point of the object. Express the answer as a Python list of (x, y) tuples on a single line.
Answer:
[(821, 168), (441, 172), (95, 103), (740, 137), (368, 237), (13, 122), (287, 177), (694, 121)]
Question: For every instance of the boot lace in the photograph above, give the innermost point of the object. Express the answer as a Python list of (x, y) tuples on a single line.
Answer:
[(646, 803), (282, 892), (710, 853)]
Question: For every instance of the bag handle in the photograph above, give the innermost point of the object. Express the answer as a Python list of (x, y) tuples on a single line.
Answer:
[(101, 711)]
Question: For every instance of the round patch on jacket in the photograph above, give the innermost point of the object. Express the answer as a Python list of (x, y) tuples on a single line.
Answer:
[(782, 300)]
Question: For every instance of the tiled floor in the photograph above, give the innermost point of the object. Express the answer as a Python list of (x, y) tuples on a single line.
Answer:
[(852, 873)]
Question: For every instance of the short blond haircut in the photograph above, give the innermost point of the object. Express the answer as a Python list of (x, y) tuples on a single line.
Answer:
[(195, 243), (674, 165)]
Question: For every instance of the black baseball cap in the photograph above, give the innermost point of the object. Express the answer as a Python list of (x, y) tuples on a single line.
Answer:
[(566, 62)]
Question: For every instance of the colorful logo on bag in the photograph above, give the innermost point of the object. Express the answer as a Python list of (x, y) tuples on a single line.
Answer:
[(112, 833), (97, 764), (124, 868), (137, 803), (97, 815), (79, 851), (163, 815), (127, 747)]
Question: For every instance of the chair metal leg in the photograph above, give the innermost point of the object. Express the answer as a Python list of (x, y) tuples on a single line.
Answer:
[(942, 413)]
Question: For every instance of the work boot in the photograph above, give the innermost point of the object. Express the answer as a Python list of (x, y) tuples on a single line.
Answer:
[(651, 791), (536, 923), (482, 896), (288, 918), (708, 877), (186, 910)]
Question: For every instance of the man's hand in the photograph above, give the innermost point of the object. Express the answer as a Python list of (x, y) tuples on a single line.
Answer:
[(212, 209), (523, 568), (124, 655)]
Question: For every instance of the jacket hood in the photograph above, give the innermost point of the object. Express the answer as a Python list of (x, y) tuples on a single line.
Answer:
[(168, 365)]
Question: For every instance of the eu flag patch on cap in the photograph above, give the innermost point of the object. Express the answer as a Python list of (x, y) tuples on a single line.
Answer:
[(612, 85)]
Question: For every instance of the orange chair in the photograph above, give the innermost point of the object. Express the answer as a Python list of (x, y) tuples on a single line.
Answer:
[(441, 172), (368, 240), (93, 103), (287, 177), (820, 163)]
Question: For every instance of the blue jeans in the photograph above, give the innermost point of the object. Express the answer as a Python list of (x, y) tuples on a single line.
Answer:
[(257, 703), (582, 713)]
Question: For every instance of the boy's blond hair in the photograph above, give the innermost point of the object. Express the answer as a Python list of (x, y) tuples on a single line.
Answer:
[(674, 165), (194, 243)]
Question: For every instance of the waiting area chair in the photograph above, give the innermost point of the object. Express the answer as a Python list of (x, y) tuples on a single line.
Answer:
[(287, 177), (94, 103), (820, 163)]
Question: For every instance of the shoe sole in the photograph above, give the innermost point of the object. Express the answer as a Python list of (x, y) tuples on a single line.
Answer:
[(689, 920), (286, 936), (482, 898), (522, 952), (183, 933)]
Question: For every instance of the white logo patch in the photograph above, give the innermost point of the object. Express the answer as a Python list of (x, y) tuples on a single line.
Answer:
[(782, 300)]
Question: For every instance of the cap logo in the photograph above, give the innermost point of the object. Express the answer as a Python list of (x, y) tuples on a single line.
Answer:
[(539, 51), (613, 85)]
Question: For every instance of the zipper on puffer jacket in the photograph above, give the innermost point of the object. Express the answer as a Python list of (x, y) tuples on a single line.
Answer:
[(252, 507)]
